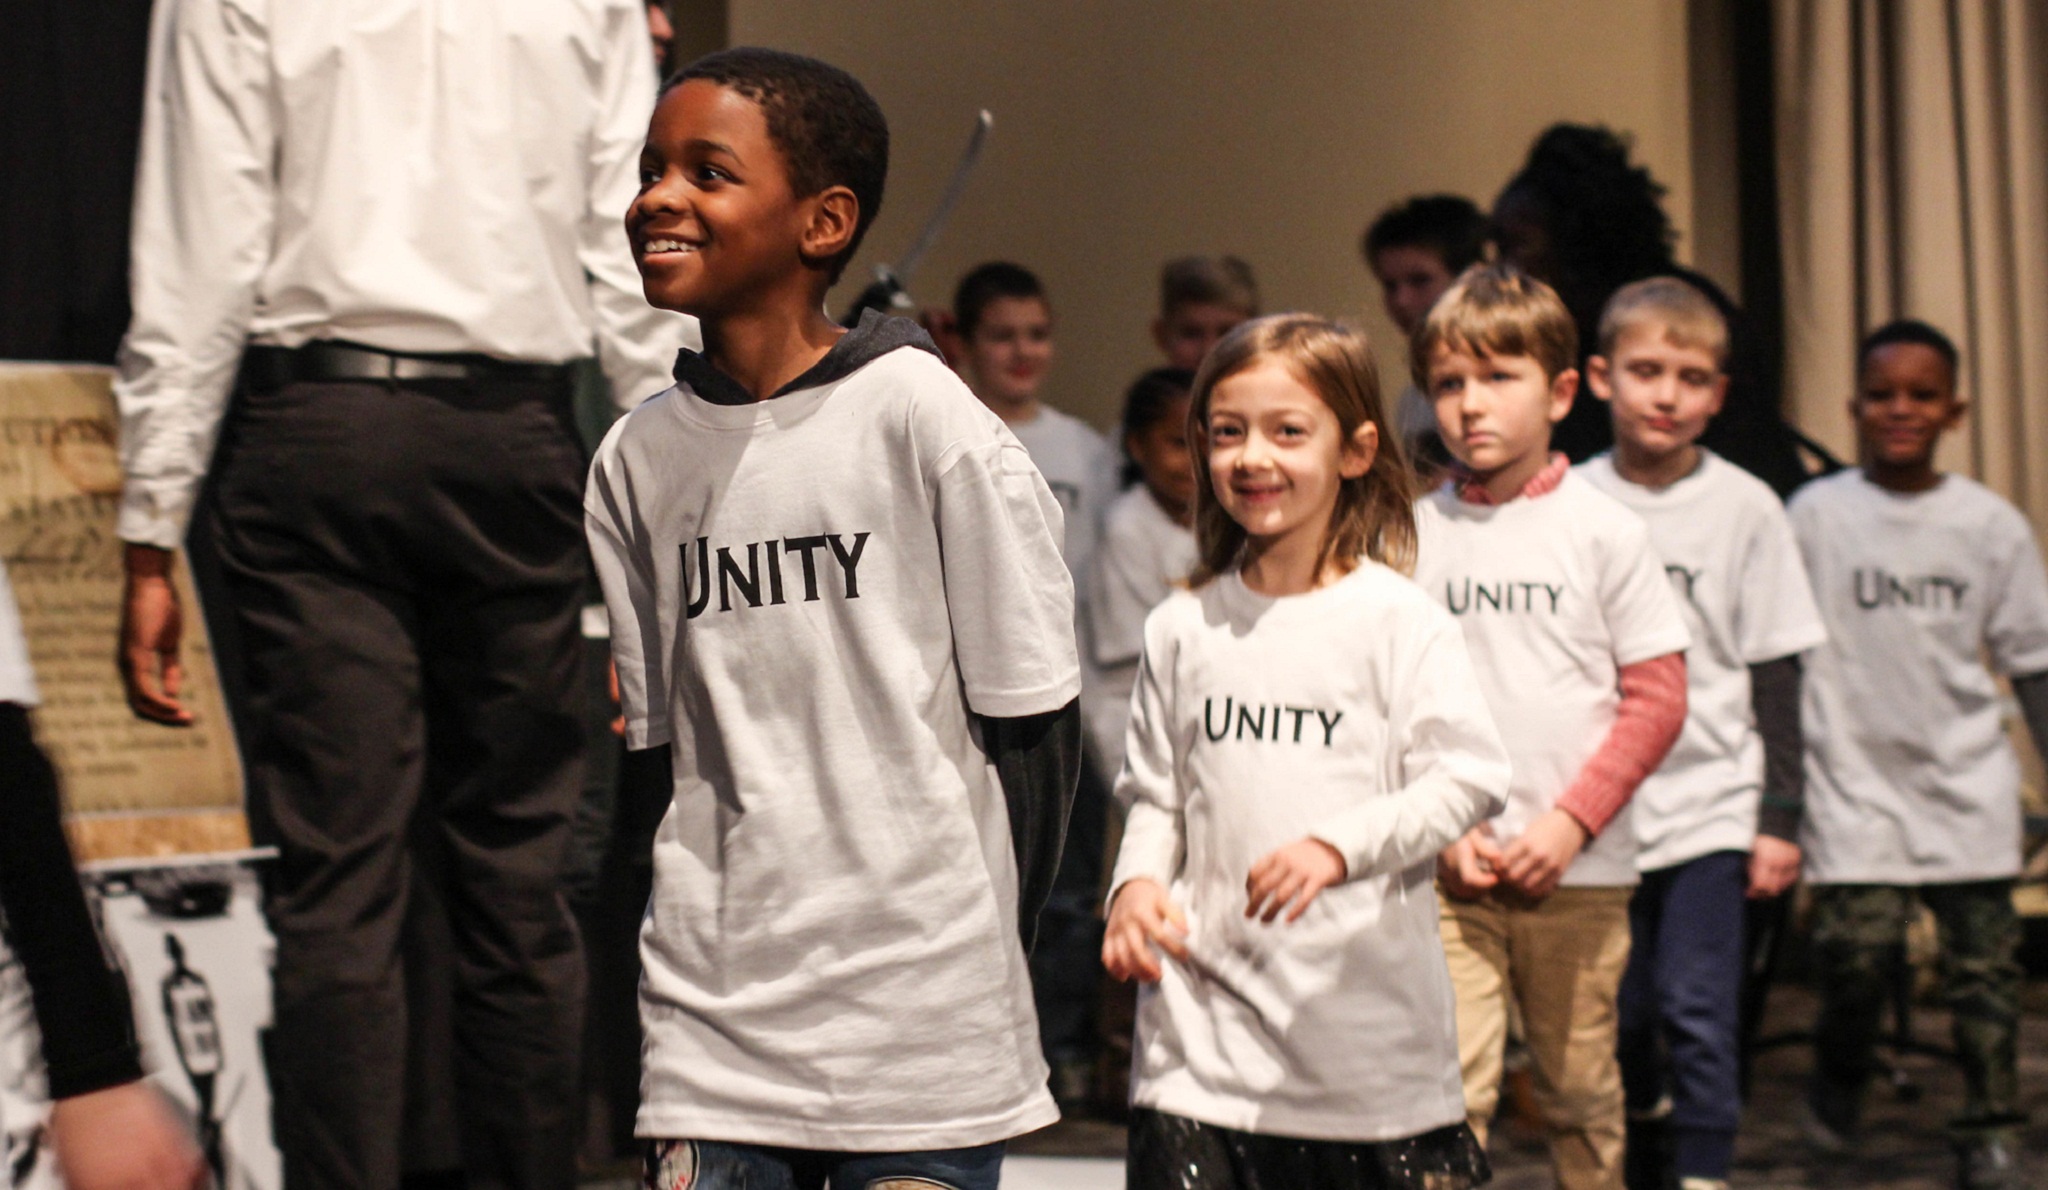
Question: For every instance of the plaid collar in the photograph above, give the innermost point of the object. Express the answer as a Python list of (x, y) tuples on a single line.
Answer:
[(1472, 491)]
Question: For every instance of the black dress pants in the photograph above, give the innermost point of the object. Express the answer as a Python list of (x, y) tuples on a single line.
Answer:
[(403, 564)]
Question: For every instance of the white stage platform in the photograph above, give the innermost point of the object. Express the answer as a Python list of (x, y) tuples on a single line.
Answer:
[(1062, 1173)]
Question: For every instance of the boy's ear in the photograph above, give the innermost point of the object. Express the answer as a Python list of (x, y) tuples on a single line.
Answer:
[(1720, 394), (1600, 377), (1159, 332), (1564, 387), (834, 218), (1360, 450)]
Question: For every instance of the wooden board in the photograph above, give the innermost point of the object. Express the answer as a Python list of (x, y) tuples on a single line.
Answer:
[(132, 788)]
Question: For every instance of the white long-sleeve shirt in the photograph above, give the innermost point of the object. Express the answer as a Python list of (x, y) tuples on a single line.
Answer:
[(1350, 714), (413, 175)]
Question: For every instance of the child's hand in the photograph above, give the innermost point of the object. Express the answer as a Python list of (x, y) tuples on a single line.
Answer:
[(1534, 864), (1142, 917), (1296, 873), (1470, 867), (125, 1137), (1773, 867)]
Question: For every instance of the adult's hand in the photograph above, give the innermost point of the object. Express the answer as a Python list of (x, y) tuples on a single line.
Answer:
[(152, 624), (124, 1137)]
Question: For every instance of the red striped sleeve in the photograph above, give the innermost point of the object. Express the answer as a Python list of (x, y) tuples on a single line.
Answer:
[(1646, 724)]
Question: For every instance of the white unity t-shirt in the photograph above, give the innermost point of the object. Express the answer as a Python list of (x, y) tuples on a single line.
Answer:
[(1080, 468), (1144, 554), (1728, 550), (1555, 593), (1909, 775), (809, 595), (17, 680), (1351, 714)]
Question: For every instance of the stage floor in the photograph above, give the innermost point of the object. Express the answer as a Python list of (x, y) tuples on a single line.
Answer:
[(1063, 1173)]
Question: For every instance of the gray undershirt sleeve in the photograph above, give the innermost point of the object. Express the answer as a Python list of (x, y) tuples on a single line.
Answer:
[(2032, 692), (1038, 759), (1774, 696)]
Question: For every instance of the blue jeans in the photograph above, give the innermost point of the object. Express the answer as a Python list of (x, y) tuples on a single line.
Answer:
[(1680, 1005), (720, 1165)]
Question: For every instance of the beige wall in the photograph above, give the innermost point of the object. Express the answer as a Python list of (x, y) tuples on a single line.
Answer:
[(1130, 131)]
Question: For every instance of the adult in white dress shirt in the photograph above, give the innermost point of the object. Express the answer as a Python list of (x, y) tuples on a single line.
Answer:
[(368, 236)]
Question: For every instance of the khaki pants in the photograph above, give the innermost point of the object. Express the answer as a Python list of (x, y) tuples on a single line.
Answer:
[(1562, 961)]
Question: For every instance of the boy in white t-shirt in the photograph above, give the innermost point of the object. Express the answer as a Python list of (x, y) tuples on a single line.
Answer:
[(1719, 822), (1913, 789), (836, 592), (1201, 299), (1579, 646), (1004, 323), (1415, 249)]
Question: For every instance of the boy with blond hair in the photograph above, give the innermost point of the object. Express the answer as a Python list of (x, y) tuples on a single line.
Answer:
[(1719, 822), (1579, 647)]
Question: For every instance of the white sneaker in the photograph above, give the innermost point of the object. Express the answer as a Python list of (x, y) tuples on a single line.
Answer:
[(1703, 1184)]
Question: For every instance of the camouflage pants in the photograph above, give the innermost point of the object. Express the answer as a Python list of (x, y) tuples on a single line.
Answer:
[(1859, 931)]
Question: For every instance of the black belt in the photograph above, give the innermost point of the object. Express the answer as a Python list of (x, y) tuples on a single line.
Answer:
[(327, 359)]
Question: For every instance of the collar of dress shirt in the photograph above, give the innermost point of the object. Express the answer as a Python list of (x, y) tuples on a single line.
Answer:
[(1544, 482)]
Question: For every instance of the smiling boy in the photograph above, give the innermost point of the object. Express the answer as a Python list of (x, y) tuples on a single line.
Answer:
[(836, 591), (1719, 822), (1578, 645), (1913, 789)]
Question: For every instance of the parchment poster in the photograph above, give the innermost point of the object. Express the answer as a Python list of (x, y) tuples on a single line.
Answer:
[(133, 788)]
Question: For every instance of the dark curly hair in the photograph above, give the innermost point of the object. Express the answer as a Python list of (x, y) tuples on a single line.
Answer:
[(1602, 216), (830, 130)]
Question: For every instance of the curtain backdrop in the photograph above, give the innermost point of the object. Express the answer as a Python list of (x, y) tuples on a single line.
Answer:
[(1913, 182)]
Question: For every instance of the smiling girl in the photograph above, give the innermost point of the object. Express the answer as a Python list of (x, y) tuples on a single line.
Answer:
[(1306, 734)]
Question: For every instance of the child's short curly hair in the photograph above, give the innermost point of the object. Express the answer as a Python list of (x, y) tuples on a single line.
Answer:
[(830, 130), (1497, 309)]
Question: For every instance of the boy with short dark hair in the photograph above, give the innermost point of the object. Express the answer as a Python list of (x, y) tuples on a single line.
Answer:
[(1200, 299), (1579, 647), (1719, 822), (1913, 789), (1415, 249), (836, 591)]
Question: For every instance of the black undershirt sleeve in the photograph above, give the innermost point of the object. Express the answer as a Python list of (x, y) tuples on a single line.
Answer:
[(81, 999), (1774, 696), (1038, 758), (2032, 692)]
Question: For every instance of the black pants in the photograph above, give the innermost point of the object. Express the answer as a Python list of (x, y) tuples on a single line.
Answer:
[(403, 565)]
